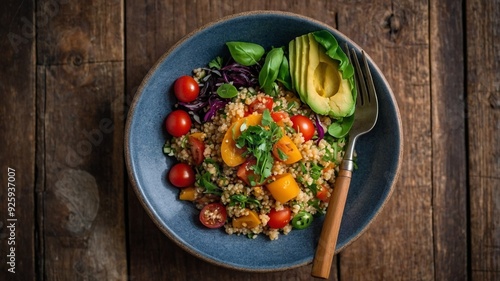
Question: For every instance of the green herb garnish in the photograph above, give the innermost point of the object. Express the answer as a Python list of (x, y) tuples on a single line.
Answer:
[(242, 200), (259, 141), (227, 91), (206, 182)]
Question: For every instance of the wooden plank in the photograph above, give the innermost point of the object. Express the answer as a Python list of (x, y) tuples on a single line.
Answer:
[(17, 146), (483, 105), (79, 31), (81, 197), (83, 215), (399, 244), (152, 28), (449, 158)]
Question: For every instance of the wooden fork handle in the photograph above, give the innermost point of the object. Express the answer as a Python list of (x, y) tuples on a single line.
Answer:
[(331, 226)]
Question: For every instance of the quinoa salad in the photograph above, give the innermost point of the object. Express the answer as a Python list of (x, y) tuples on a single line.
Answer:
[(252, 153)]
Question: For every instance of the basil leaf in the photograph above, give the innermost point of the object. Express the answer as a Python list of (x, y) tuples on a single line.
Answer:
[(340, 128), (227, 91), (245, 53), (284, 74), (270, 69)]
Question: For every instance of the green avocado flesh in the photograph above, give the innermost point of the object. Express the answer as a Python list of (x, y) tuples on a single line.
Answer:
[(317, 79)]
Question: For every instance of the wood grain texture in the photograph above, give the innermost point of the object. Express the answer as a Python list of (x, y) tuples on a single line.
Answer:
[(483, 108), (449, 154), (83, 212), (17, 143), (80, 191), (75, 32), (395, 35)]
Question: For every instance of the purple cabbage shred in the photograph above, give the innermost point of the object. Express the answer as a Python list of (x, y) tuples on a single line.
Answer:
[(208, 102), (319, 128)]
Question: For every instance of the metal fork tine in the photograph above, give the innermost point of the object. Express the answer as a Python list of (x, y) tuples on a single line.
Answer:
[(372, 96), (356, 81), (360, 78)]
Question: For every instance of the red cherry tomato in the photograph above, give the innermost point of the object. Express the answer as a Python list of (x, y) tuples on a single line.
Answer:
[(278, 116), (245, 173), (197, 148), (181, 175), (322, 194), (213, 215), (186, 89), (303, 125), (279, 219), (259, 105), (178, 123)]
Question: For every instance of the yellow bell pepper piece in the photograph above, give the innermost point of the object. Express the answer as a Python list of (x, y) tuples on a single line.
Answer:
[(284, 188), (288, 148), (198, 135), (188, 194), (248, 221), (231, 155)]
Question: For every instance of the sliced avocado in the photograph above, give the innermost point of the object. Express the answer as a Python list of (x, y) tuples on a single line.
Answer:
[(317, 79), (303, 47)]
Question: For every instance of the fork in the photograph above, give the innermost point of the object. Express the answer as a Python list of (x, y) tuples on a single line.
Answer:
[(365, 117)]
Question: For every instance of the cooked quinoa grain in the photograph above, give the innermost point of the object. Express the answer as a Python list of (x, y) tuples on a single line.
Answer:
[(249, 199)]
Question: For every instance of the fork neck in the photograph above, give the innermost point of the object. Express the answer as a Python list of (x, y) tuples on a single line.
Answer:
[(348, 160)]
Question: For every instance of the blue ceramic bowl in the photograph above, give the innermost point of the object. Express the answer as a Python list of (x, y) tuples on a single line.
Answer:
[(378, 164)]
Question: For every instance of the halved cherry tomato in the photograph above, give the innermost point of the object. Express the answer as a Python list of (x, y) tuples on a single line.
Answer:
[(322, 194), (197, 148), (213, 215), (279, 219), (245, 173), (303, 125), (186, 89), (178, 123), (261, 104), (181, 175)]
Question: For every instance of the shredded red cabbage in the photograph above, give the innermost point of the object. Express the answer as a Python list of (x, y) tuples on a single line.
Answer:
[(319, 128), (208, 101), (215, 105)]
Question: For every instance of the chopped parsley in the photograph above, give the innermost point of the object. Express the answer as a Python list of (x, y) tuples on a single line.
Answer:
[(242, 200), (259, 141)]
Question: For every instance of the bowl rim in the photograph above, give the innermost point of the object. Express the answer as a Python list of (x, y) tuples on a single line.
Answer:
[(128, 161)]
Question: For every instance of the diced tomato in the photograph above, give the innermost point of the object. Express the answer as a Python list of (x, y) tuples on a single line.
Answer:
[(278, 117), (245, 173), (261, 104), (197, 148), (322, 194)]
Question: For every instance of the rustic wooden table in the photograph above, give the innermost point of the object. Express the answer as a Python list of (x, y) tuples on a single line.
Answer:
[(69, 70)]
